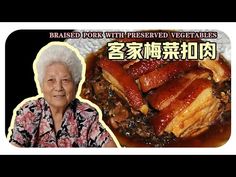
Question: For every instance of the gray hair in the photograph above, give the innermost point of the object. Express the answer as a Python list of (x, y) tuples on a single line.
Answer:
[(62, 54)]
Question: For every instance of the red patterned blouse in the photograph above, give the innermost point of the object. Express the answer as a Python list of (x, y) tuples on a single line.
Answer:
[(80, 127)]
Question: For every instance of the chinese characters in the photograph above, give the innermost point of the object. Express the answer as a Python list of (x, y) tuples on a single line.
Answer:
[(161, 50)]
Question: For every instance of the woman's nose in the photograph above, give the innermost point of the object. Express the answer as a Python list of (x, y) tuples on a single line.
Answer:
[(58, 85)]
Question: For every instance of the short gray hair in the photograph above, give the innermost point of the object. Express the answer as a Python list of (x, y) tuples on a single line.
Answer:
[(61, 54)]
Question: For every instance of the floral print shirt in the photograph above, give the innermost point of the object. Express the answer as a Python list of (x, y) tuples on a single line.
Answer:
[(80, 127)]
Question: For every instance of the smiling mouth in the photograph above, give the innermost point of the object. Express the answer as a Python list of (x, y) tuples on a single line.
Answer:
[(58, 96)]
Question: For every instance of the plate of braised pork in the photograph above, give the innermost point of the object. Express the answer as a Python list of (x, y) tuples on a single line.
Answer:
[(160, 102)]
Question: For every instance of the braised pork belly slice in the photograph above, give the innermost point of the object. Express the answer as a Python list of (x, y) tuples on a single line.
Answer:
[(142, 67), (162, 75), (165, 94), (219, 67), (123, 84), (130, 63), (191, 113)]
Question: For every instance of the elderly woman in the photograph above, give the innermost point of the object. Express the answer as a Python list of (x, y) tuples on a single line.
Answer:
[(58, 119)]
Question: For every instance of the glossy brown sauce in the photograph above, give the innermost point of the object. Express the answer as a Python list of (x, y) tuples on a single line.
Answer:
[(217, 134)]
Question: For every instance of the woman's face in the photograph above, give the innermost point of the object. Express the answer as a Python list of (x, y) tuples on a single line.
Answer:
[(58, 86)]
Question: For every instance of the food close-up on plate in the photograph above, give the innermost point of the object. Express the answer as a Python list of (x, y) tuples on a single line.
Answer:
[(161, 88)]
